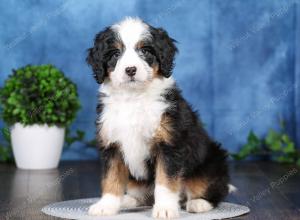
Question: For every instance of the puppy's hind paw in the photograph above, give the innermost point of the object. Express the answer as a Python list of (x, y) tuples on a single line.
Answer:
[(129, 202), (198, 205)]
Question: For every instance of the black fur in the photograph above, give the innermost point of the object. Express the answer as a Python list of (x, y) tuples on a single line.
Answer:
[(107, 154), (194, 153), (101, 56), (165, 50)]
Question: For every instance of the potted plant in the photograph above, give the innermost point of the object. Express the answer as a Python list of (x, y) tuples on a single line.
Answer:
[(276, 146), (38, 103)]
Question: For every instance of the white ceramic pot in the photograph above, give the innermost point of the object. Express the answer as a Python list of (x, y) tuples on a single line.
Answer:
[(37, 146)]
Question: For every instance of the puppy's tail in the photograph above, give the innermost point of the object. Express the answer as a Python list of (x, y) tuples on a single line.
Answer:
[(232, 188)]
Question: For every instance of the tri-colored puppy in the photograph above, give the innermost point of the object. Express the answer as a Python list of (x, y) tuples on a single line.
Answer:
[(153, 146)]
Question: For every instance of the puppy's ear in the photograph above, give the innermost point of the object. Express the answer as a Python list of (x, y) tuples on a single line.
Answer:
[(94, 59), (165, 50), (95, 56)]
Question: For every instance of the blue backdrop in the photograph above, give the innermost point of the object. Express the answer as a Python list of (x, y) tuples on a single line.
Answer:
[(238, 62)]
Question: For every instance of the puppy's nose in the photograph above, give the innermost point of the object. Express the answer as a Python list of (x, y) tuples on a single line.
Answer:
[(130, 71)]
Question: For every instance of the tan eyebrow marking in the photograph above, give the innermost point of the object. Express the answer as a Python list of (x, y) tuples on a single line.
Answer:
[(140, 44), (119, 45)]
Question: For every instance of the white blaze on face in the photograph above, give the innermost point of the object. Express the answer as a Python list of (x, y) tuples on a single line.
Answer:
[(130, 32)]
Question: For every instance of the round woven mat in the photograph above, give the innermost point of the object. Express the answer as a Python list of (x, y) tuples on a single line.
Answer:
[(77, 209)]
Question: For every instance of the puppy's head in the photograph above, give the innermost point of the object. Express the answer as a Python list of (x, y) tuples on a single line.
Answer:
[(131, 54)]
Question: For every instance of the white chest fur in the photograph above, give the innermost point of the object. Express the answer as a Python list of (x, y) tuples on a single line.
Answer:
[(131, 120)]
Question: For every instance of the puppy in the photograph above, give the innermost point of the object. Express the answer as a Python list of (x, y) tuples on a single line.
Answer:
[(154, 148)]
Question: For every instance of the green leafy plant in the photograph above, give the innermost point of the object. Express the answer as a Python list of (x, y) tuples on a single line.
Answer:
[(39, 95), (70, 139), (79, 136), (252, 147), (5, 146), (277, 144), (282, 147)]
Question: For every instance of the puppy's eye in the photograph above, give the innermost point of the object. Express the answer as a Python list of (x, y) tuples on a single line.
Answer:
[(145, 51), (116, 54)]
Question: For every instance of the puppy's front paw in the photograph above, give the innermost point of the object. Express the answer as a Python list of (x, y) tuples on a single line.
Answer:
[(165, 212), (108, 205)]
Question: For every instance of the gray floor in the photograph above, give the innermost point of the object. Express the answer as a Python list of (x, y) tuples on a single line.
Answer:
[(271, 191)]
